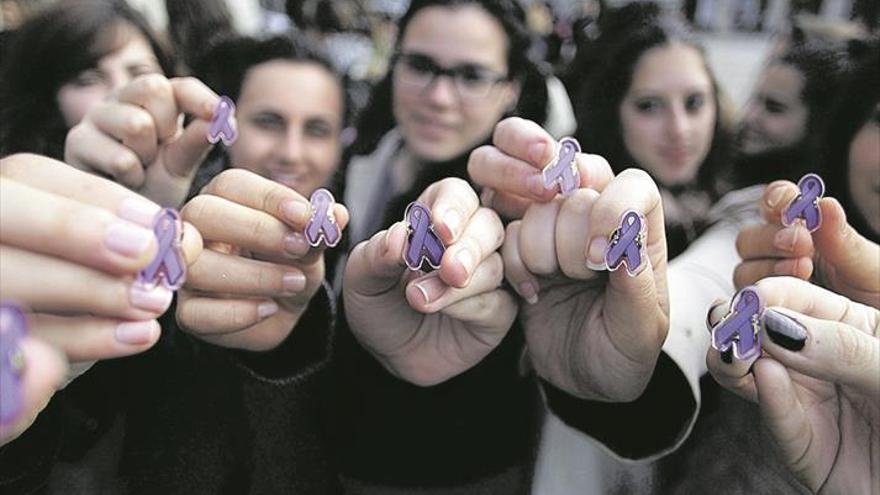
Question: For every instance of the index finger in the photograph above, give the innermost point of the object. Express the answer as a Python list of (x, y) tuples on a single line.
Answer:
[(776, 198), (52, 176), (452, 202), (259, 193), (801, 296)]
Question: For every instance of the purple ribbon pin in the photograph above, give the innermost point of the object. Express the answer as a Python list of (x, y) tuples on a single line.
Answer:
[(741, 327), (625, 246), (168, 267), (322, 225), (806, 204), (13, 328), (424, 245), (221, 125), (562, 169)]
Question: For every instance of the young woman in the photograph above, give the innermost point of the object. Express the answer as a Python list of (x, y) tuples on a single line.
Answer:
[(62, 62)]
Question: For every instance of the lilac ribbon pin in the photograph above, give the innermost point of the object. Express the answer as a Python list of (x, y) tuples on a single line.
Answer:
[(625, 246), (13, 328), (563, 170), (322, 225), (221, 125), (806, 205), (741, 327), (168, 267), (424, 245)]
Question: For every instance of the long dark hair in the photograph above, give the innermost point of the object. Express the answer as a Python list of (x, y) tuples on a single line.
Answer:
[(378, 118), (48, 51), (857, 105), (626, 34)]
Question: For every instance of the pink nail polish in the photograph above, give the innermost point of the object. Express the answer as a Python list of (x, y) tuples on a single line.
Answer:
[(596, 254), (127, 239), (139, 211), (266, 309), (137, 332), (296, 244), (155, 300)]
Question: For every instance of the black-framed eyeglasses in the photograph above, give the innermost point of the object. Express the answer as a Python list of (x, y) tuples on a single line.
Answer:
[(471, 81)]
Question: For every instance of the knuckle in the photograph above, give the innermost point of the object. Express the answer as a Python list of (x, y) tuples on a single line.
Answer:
[(137, 125), (851, 349), (196, 209), (155, 86)]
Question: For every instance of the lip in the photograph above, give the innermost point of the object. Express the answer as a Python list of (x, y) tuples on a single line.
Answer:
[(677, 155), (288, 179), (432, 127)]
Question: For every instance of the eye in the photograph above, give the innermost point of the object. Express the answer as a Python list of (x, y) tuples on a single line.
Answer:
[(774, 106), (472, 76), (88, 77), (319, 128), (142, 69), (420, 64), (694, 102), (269, 121), (648, 105)]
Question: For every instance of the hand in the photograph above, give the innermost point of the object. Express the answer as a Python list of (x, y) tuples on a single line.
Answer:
[(138, 139), (510, 169), (594, 336), (428, 328), (836, 256), (61, 231), (254, 281), (817, 389)]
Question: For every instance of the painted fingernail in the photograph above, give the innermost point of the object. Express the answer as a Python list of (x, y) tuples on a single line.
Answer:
[(535, 185), (453, 221), (266, 309), (785, 331), (466, 260), (154, 300), (128, 239), (295, 244), (596, 254), (293, 282), (715, 305), (536, 153), (727, 356), (139, 211), (137, 332), (774, 196), (529, 291), (784, 239), (431, 287), (295, 211), (487, 196)]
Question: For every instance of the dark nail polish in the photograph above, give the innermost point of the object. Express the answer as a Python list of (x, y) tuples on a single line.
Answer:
[(785, 331), (727, 356)]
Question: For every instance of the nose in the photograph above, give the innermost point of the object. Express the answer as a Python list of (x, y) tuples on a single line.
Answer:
[(291, 147), (679, 123), (441, 91)]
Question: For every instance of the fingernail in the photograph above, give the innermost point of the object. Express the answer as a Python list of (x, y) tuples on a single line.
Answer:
[(155, 300), (596, 254), (775, 195), (128, 239), (452, 218), (536, 153), (431, 287), (296, 245), (535, 185), (785, 331), (466, 260), (487, 196), (715, 304), (295, 211), (293, 282), (136, 332), (784, 239), (139, 211), (529, 292), (727, 356), (266, 309)]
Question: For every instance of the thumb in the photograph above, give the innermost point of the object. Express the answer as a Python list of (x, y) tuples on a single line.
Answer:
[(851, 259), (375, 266)]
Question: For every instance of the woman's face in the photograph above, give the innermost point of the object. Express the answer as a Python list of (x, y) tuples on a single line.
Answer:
[(864, 171), (289, 120), (668, 114), (775, 117), (441, 117), (134, 58)]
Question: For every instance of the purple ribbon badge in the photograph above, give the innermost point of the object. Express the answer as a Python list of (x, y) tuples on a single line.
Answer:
[(626, 243), (806, 204), (13, 328), (322, 226), (168, 267), (424, 245), (741, 327), (221, 125), (562, 169)]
